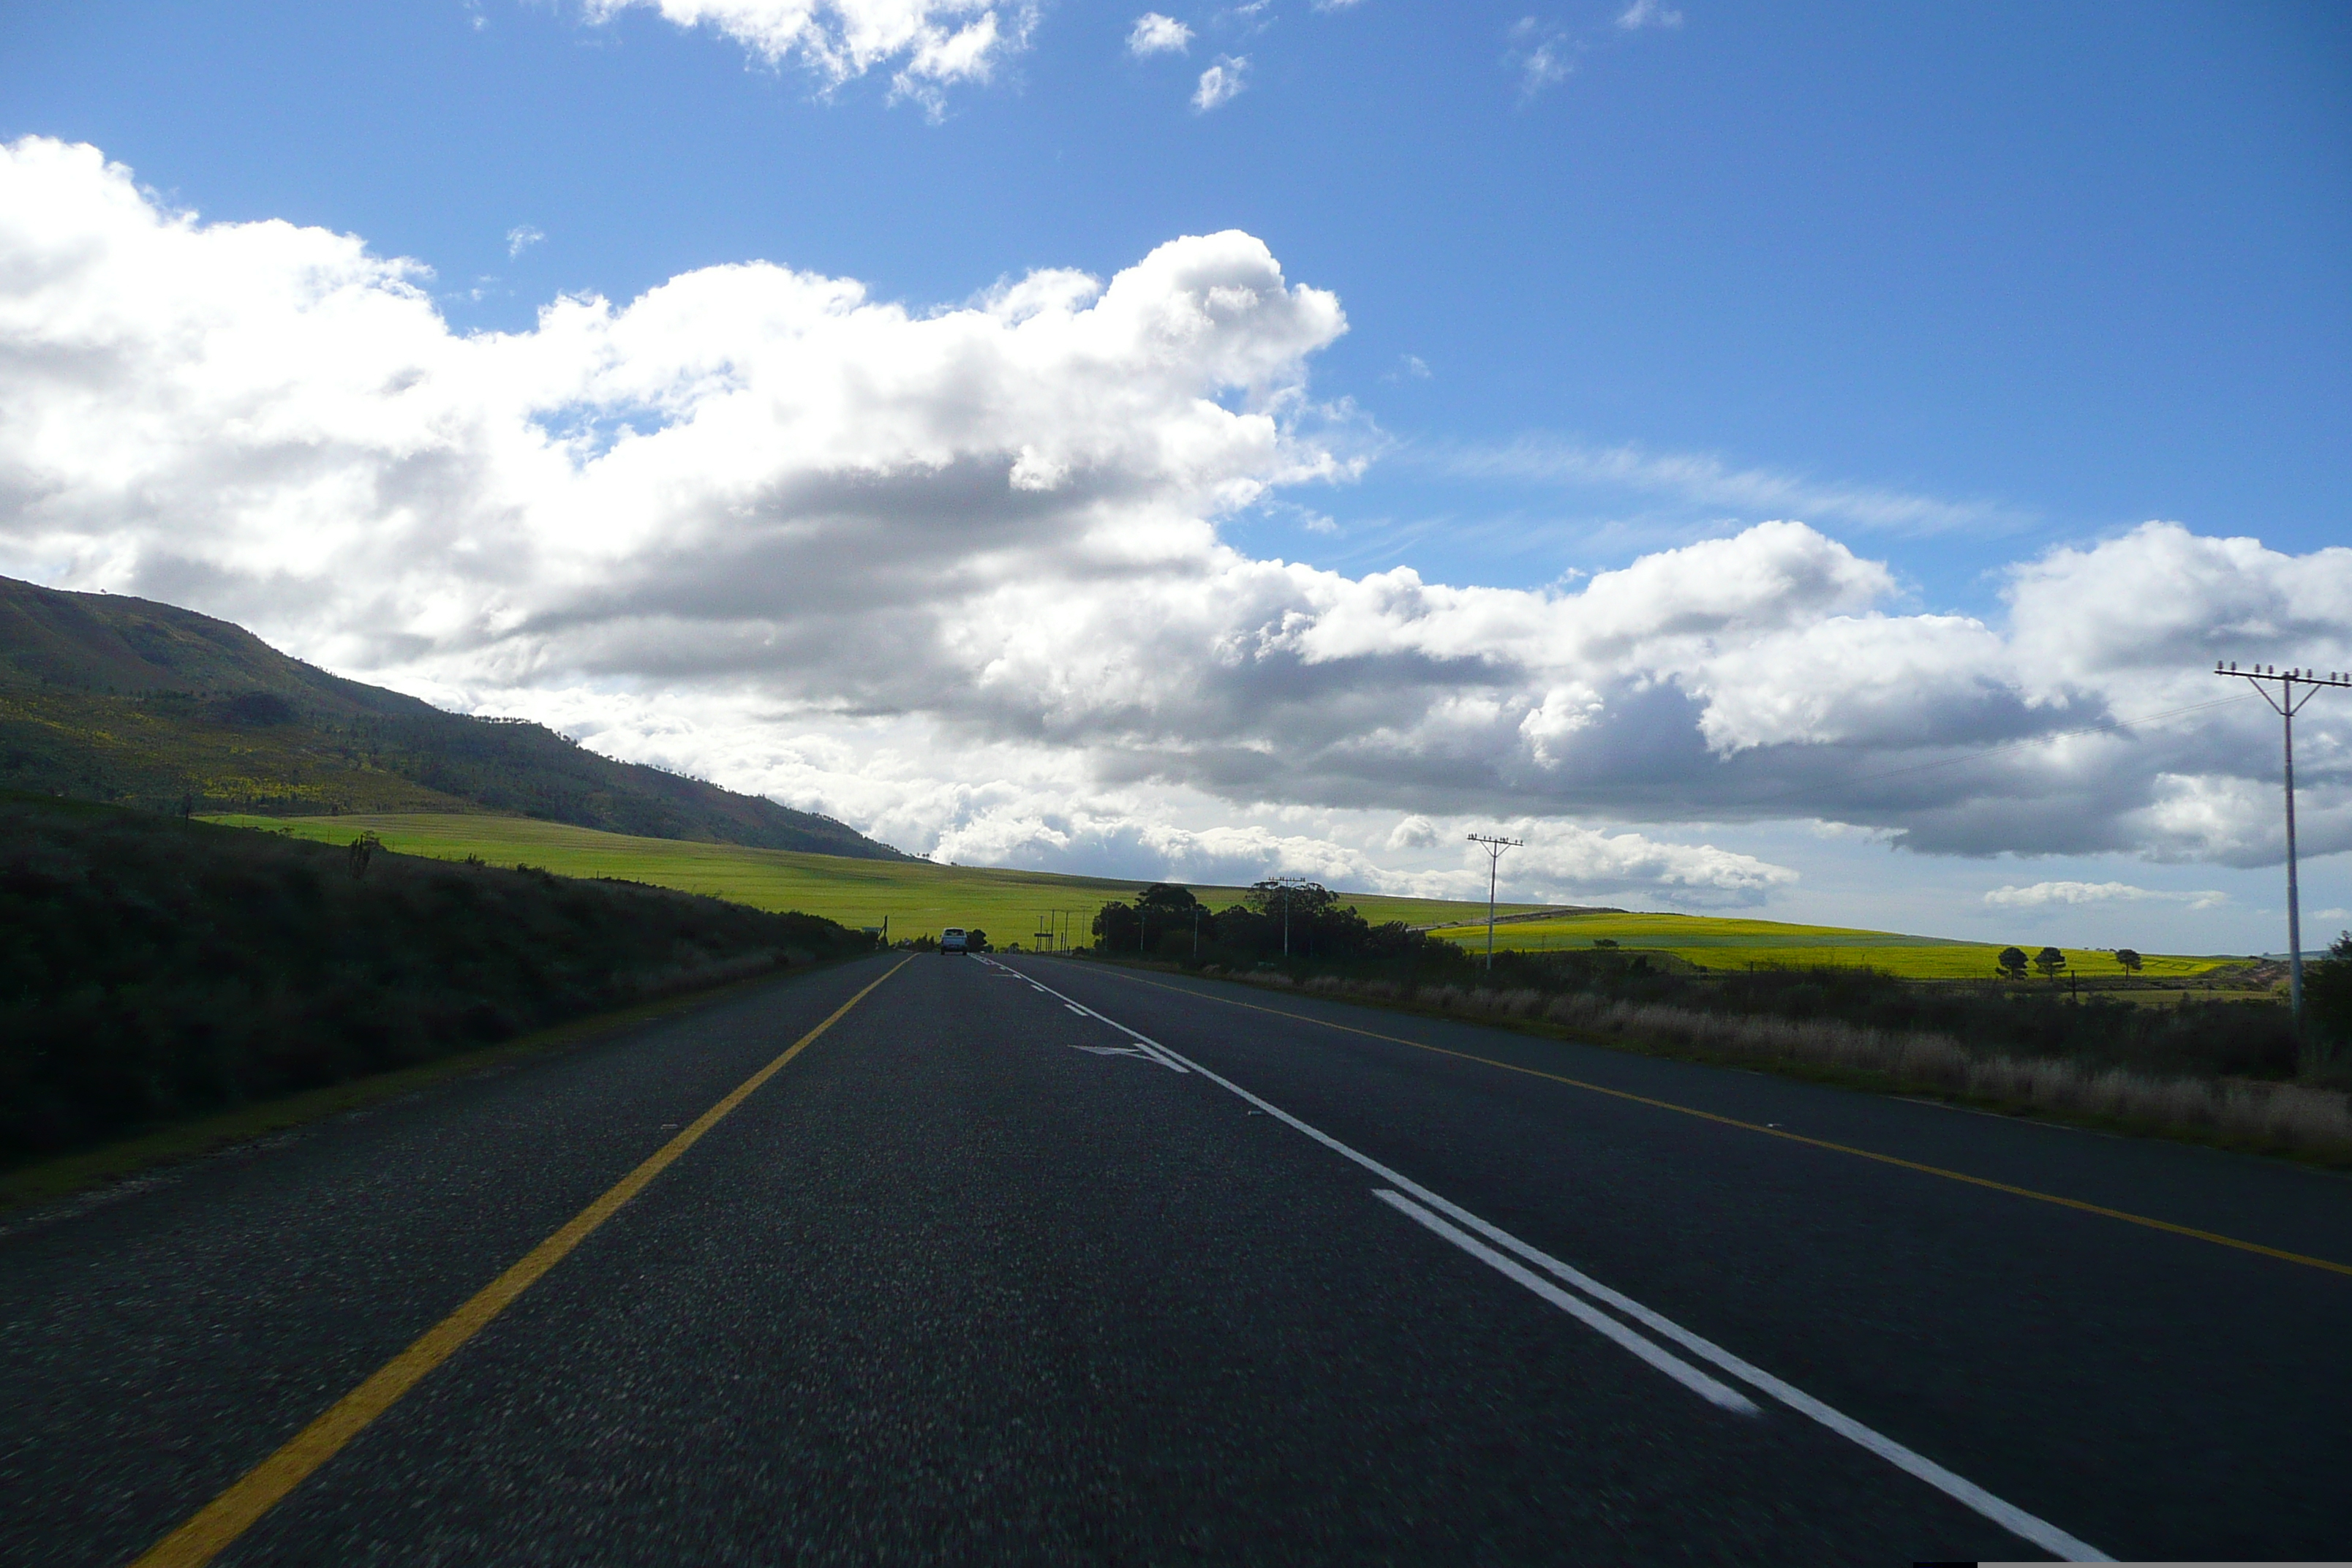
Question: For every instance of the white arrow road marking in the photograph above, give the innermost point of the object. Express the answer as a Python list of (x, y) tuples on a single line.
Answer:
[(1150, 1051)]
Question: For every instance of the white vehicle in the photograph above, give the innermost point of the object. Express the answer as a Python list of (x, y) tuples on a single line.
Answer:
[(952, 939)]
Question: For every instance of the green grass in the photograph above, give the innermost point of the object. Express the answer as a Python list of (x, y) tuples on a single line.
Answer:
[(919, 897), (1715, 942), (922, 899)]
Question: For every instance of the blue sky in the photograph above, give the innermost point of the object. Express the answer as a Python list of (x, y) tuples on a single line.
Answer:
[(1955, 286)]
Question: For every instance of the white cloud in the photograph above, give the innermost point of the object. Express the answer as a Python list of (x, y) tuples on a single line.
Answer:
[(1543, 56), (1644, 13), (1703, 479), (958, 576), (1221, 83), (2042, 895), (935, 44), (522, 238), (1154, 33), (1412, 833)]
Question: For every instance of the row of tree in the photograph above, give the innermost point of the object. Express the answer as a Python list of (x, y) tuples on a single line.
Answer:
[(2013, 962), (1274, 920)]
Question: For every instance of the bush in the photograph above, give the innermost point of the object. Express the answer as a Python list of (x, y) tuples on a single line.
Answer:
[(2328, 994), (153, 968)]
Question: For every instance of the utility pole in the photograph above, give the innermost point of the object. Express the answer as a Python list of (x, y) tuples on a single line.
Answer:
[(2286, 704), (1494, 845), (1286, 884)]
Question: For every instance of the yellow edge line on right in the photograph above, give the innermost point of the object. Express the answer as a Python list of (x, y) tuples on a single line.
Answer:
[(2129, 1218)]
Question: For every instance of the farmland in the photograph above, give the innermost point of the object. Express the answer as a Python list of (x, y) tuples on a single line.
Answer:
[(918, 897), (1716, 943)]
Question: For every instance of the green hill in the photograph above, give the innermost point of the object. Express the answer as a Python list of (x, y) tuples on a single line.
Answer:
[(919, 897), (123, 701)]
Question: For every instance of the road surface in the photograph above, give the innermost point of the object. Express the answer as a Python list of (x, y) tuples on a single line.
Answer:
[(1044, 1260)]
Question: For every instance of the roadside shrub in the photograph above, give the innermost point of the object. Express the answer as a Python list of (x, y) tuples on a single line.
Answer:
[(153, 968)]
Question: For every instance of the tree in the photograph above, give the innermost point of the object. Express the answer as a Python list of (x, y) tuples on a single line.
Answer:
[(1166, 899), (2050, 960), (1117, 927), (1305, 900), (2011, 962), (1162, 908), (975, 941), (2328, 992), (2128, 959)]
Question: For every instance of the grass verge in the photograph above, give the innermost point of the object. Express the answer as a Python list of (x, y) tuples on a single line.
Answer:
[(2306, 1122), (48, 1181)]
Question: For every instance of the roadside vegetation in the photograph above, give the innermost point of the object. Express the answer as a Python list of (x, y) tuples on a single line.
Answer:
[(2215, 1058), (153, 970)]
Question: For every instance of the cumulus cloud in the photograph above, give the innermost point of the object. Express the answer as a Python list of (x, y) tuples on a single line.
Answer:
[(1154, 33), (522, 238), (1221, 83), (935, 44), (1412, 833), (958, 576), (2042, 895)]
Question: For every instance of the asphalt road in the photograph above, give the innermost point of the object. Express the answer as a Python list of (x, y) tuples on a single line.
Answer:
[(981, 1276)]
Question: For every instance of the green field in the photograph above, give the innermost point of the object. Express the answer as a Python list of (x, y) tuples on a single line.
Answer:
[(919, 897), (1718, 944)]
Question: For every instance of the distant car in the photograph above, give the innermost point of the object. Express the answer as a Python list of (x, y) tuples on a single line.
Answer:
[(952, 939)]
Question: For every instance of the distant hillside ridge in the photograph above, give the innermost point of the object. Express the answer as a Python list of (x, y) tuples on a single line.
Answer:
[(124, 700)]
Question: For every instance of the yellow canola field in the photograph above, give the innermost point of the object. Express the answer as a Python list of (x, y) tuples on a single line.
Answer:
[(1720, 943)]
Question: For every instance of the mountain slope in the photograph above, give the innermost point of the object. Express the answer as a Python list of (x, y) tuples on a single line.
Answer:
[(114, 699)]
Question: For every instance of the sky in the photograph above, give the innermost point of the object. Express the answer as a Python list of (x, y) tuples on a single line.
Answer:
[(1803, 461)]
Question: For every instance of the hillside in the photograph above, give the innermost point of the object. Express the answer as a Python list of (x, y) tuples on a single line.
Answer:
[(131, 702), (919, 897)]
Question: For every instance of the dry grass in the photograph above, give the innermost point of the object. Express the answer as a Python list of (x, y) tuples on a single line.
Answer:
[(2286, 1118)]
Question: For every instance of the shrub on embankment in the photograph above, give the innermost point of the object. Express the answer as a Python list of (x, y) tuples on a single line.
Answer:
[(153, 969), (2308, 1119)]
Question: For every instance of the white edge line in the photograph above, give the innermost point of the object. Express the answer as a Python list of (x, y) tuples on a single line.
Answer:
[(1960, 1489), (1674, 1366)]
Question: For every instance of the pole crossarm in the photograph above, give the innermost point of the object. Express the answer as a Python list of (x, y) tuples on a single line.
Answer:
[(2286, 705), (1494, 843)]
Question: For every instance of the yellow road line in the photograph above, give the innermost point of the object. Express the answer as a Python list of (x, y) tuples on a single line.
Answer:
[(2127, 1217), (261, 1488)]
